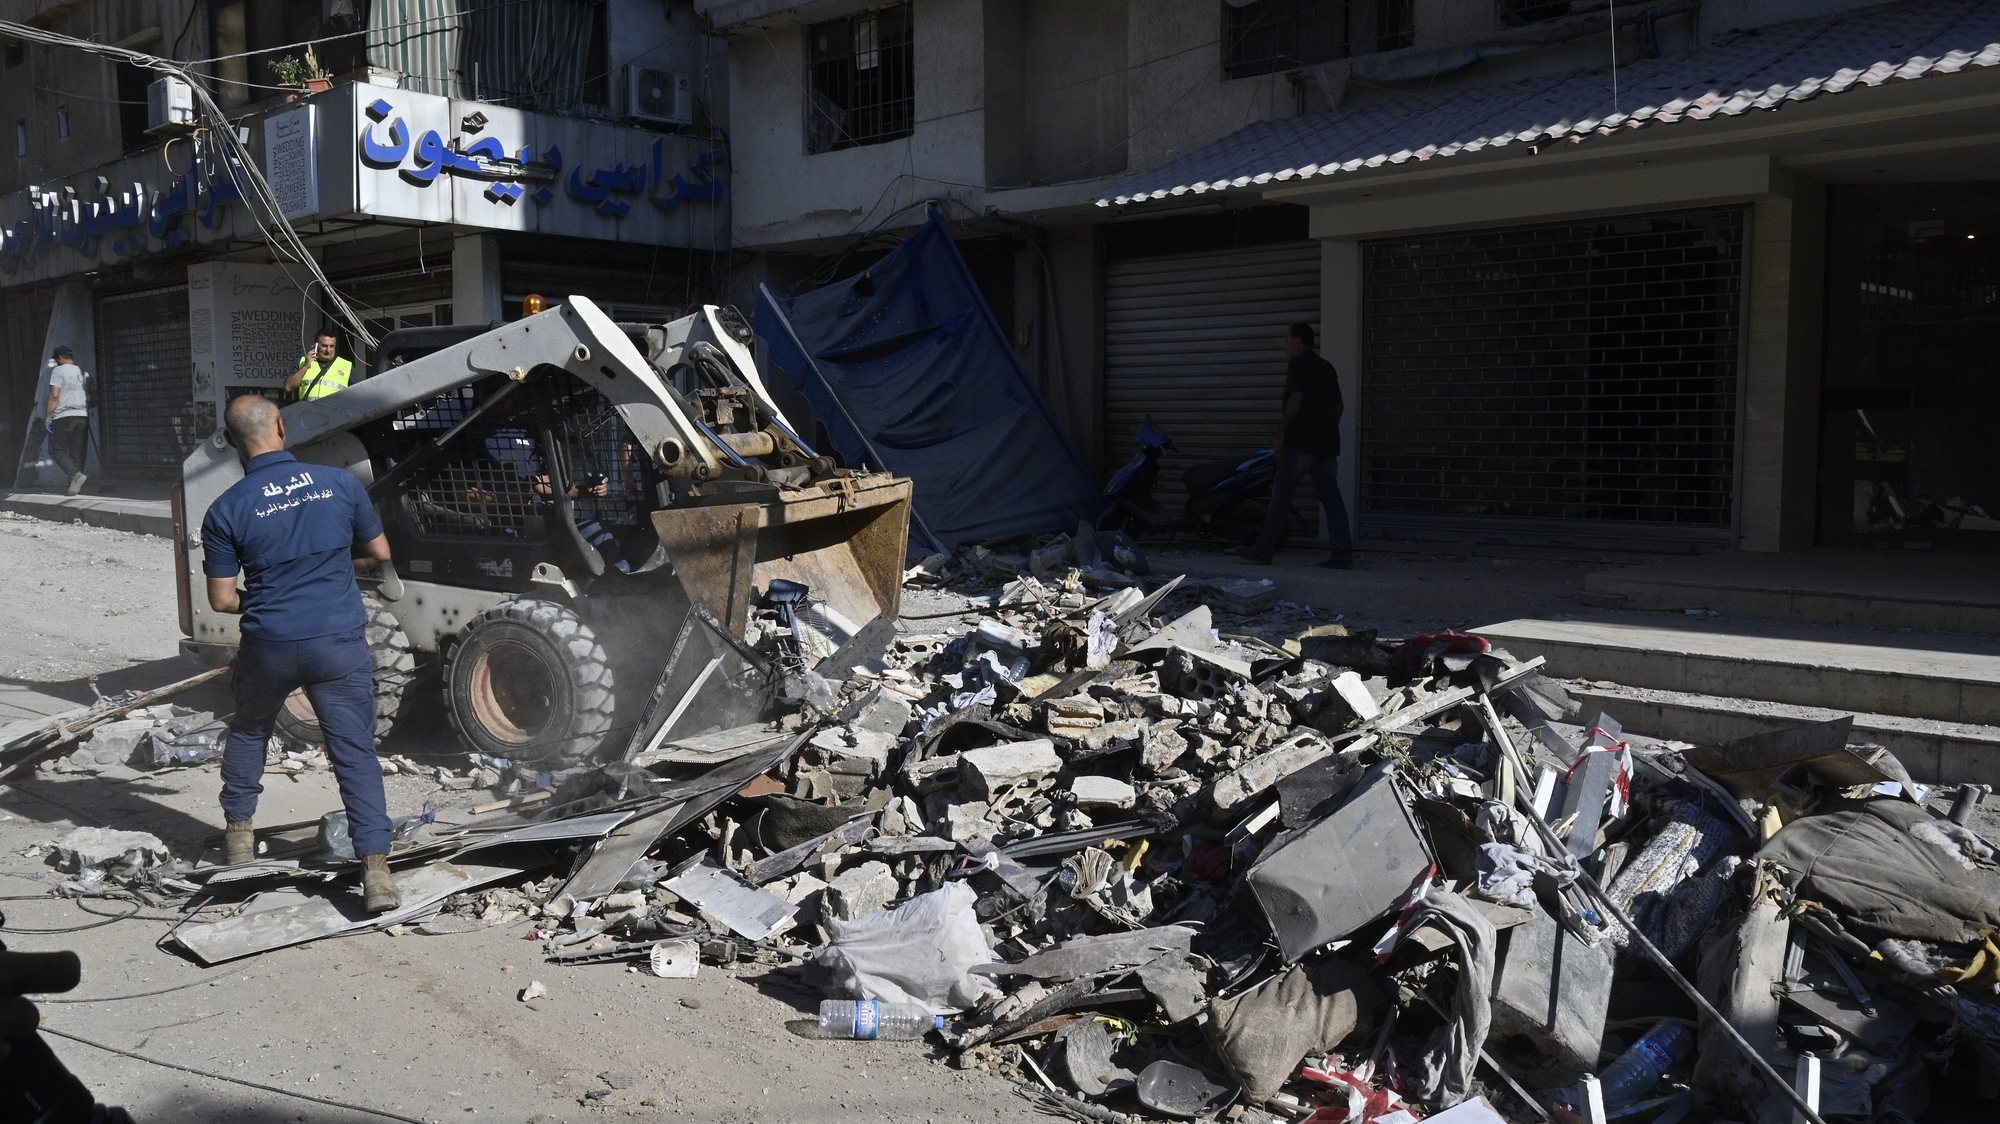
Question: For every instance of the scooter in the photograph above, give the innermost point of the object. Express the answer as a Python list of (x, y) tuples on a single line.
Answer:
[(1226, 498)]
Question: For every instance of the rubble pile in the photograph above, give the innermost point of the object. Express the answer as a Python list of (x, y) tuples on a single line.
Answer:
[(1154, 861)]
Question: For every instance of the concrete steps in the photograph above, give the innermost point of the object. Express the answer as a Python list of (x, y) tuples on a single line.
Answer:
[(1879, 589), (1933, 699), (1933, 752), (1843, 670)]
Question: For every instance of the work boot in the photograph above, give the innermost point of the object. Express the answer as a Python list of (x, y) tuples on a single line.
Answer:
[(378, 890), (239, 843)]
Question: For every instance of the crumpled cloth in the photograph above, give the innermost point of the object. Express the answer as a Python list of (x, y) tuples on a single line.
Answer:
[(1443, 1075), (1865, 863), (1507, 873)]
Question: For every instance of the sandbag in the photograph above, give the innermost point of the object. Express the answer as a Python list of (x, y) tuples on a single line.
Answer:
[(1865, 864), (1308, 1008), (922, 952)]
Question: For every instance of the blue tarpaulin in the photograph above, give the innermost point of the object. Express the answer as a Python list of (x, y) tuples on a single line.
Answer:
[(908, 371)]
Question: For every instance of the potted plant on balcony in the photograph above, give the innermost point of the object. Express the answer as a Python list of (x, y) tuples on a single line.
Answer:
[(306, 75)]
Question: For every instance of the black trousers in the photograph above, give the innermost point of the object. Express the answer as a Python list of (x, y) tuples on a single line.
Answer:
[(69, 445)]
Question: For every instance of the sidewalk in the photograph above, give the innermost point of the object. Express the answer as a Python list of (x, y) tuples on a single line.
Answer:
[(144, 508)]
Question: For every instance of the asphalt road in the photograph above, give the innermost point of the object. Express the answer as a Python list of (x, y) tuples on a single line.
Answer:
[(428, 1028)]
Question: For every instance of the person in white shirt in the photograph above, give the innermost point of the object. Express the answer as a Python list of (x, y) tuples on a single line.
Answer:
[(68, 414)]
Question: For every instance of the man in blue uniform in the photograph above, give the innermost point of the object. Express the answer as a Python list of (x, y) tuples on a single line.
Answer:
[(290, 530)]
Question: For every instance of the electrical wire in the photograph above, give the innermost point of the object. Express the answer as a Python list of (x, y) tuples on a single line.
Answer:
[(40, 999), (108, 919), (258, 1085), (237, 161)]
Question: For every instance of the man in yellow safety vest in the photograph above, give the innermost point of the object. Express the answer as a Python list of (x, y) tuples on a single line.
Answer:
[(320, 373)]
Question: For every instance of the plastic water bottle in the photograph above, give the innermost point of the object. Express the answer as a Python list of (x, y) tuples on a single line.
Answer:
[(869, 1018), (1646, 1063)]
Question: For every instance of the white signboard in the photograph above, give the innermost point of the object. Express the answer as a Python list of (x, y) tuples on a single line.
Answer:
[(291, 160), (246, 329), (435, 159)]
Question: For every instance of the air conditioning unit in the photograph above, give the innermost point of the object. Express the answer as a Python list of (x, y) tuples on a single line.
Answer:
[(169, 107), (658, 95)]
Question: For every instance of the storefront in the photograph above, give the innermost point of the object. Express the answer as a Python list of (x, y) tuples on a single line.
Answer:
[(180, 306), (1910, 401), (1576, 375)]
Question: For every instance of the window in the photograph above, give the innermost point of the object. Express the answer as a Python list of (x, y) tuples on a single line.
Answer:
[(133, 84), (860, 87), (62, 121), (247, 34), (21, 137), (1265, 36), (1514, 13)]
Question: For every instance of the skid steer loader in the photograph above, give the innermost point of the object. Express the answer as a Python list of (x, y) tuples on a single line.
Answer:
[(559, 493)]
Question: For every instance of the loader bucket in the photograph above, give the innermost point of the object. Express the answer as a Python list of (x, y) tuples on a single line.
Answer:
[(845, 538)]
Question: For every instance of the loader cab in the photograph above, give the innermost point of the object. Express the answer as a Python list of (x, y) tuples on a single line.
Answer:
[(544, 471)]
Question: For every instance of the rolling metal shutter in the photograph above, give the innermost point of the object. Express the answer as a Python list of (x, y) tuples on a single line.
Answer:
[(1575, 377), (145, 380), (1196, 342)]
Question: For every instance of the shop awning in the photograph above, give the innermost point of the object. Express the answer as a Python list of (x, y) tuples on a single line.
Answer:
[(1742, 71)]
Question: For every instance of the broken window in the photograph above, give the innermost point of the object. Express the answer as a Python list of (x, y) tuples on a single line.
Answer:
[(1265, 36), (861, 80)]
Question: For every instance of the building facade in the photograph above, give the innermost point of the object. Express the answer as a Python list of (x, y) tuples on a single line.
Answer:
[(441, 162), (1682, 275)]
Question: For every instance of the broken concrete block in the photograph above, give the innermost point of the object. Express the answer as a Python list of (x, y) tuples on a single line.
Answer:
[(114, 743), (1073, 716), (1113, 736), (1160, 745), (865, 889), (1355, 694), (969, 822), (883, 713), (1091, 791), (1289, 756), (982, 773), (120, 852), (1550, 996)]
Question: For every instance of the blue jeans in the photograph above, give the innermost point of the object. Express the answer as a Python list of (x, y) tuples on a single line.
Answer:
[(1293, 464), (339, 679)]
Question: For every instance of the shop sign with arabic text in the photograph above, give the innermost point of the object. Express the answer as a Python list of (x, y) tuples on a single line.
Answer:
[(430, 158)]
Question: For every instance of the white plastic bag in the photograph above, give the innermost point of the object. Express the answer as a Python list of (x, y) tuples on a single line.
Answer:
[(920, 952)]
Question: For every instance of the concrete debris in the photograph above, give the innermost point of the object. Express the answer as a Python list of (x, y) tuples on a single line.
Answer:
[(1175, 848), (994, 770), (122, 855)]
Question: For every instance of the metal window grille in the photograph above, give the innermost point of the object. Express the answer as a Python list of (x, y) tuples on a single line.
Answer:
[(492, 480), (1266, 36), (861, 85), (1580, 371), (149, 416)]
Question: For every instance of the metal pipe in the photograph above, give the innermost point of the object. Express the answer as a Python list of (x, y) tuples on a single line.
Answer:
[(758, 444), (1778, 1081)]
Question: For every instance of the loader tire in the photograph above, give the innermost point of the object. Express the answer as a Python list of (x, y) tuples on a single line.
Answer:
[(528, 680), (395, 665)]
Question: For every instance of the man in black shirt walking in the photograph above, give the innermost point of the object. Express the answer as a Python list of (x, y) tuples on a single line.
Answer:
[(1307, 441)]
